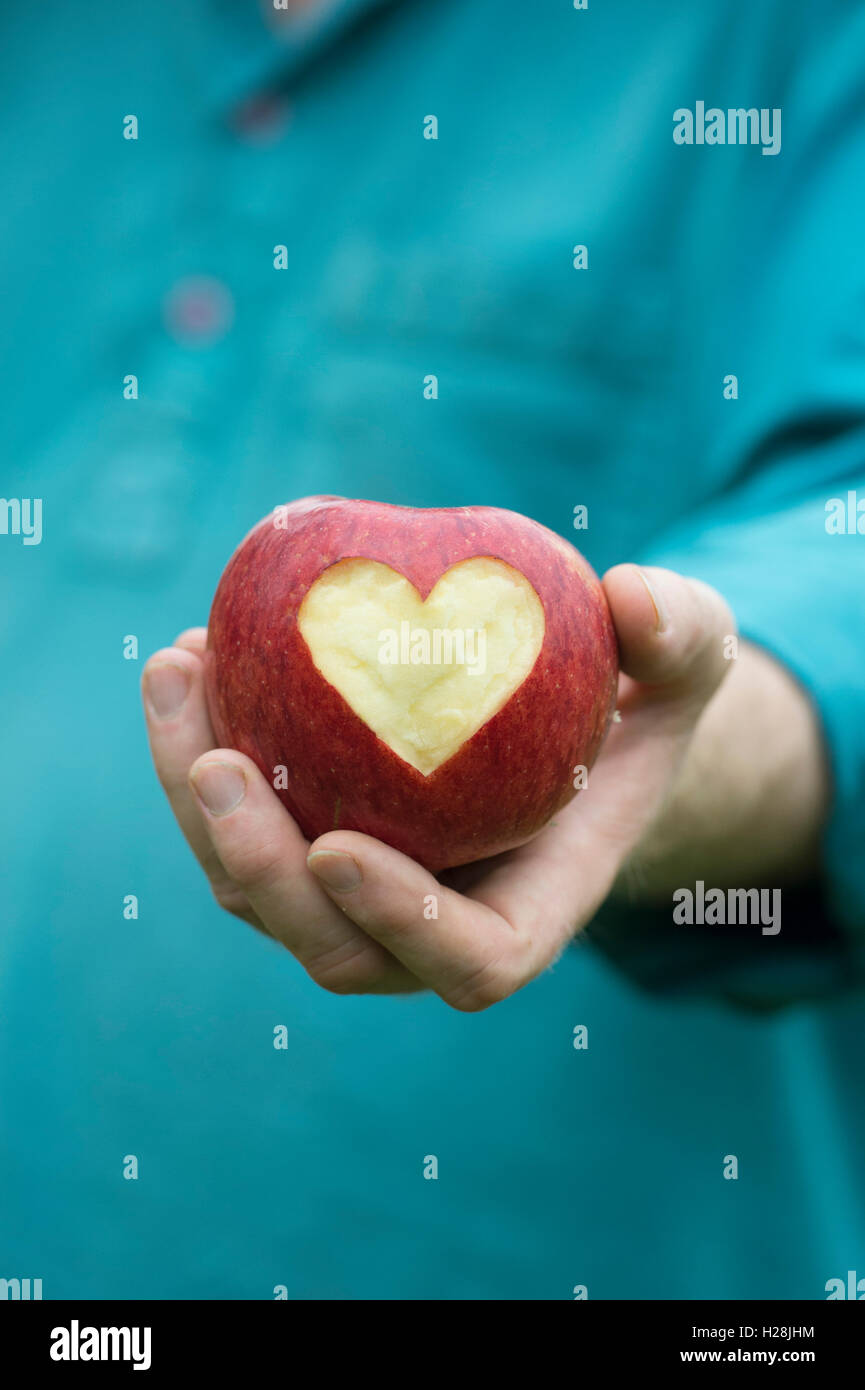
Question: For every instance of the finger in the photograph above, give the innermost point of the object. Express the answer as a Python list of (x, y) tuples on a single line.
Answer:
[(470, 955), (555, 884), (672, 635), (264, 852), (671, 630), (194, 639), (179, 731)]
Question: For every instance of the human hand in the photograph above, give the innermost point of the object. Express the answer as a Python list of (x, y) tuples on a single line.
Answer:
[(351, 909)]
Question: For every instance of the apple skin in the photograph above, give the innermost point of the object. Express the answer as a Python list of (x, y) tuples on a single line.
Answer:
[(268, 700)]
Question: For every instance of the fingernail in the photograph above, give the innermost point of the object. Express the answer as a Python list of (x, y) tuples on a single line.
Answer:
[(336, 869), (662, 613), (167, 688), (219, 787)]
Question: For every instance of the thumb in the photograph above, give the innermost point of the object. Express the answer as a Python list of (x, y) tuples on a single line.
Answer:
[(673, 631)]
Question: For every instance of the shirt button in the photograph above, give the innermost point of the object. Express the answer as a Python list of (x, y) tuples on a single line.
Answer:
[(198, 311), (261, 120)]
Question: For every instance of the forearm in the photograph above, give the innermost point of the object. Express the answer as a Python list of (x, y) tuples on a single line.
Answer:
[(748, 805)]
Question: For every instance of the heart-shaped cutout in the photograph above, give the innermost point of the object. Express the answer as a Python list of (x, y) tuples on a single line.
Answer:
[(423, 675)]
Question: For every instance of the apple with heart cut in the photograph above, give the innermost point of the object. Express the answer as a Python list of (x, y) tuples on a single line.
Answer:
[(432, 677)]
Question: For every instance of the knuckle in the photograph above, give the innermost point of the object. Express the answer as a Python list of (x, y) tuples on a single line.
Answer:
[(252, 861), (705, 668), (712, 622), (701, 648), (230, 897), (491, 983), (340, 984), (344, 969)]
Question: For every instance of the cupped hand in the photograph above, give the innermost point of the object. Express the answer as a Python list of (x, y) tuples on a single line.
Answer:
[(363, 918)]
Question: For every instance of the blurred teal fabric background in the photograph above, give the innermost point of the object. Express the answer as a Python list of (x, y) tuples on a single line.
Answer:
[(557, 387)]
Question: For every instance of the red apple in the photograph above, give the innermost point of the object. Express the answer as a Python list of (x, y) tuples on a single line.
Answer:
[(430, 677)]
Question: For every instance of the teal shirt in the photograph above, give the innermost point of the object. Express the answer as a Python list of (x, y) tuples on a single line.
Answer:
[(604, 387)]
